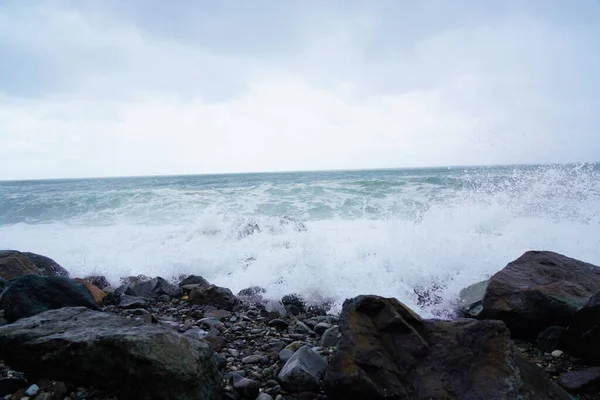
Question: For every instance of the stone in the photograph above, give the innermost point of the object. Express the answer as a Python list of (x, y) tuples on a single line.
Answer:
[(285, 355), (153, 288), (330, 337), (33, 294), (91, 348), (252, 295), (264, 396), (321, 327), (99, 281), (300, 327), (293, 303), (586, 380), (11, 385), (550, 339), (538, 290), (44, 396), (194, 280), (130, 302), (471, 299), (557, 353), (246, 387), (253, 359), (96, 292), (14, 264), (274, 346), (47, 266), (388, 352), (279, 324), (582, 337), (303, 371), (214, 296), (32, 390)]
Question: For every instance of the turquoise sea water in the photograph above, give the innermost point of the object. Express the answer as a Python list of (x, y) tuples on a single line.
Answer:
[(323, 234)]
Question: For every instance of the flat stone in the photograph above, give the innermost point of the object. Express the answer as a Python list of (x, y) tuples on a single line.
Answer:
[(253, 359), (586, 380), (130, 302)]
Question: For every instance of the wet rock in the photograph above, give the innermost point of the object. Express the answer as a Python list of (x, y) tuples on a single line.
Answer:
[(538, 290), (214, 296), (130, 302), (279, 324), (300, 327), (153, 288), (32, 390), (303, 371), (91, 348), (47, 266), (293, 303), (96, 292), (321, 327), (388, 352), (253, 359), (550, 338), (194, 280), (587, 380), (33, 294), (99, 281), (246, 387), (330, 337), (471, 299), (252, 295), (582, 338), (14, 264)]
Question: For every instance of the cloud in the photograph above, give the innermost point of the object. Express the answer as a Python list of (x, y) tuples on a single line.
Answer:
[(94, 92)]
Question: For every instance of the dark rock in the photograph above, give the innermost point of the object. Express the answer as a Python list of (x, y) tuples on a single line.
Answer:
[(214, 296), (221, 361), (321, 327), (14, 264), (330, 337), (587, 380), (264, 396), (582, 338), (164, 298), (293, 303), (538, 290), (279, 324), (274, 346), (303, 371), (3, 284), (252, 295), (388, 352), (133, 280), (194, 280), (471, 299), (122, 356), (217, 343), (33, 294), (153, 288), (47, 266), (246, 387), (124, 289), (550, 339), (11, 385), (130, 302), (253, 359), (285, 355)]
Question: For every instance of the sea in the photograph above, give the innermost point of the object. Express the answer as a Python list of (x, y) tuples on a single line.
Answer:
[(420, 235)]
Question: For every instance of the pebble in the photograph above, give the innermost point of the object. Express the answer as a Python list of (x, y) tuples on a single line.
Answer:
[(253, 359), (557, 353), (33, 390)]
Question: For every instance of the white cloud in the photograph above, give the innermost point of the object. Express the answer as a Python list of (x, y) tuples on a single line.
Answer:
[(116, 100)]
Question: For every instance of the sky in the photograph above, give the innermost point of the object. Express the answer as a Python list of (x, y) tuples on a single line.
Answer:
[(93, 88)]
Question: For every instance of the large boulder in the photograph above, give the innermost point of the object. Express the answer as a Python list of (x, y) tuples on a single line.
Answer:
[(582, 337), (33, 294), (538, 290), (388, 352), (215, 296), (123, 356), (14, 264)]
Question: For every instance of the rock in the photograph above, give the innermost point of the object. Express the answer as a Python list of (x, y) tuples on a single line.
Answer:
[(550, 338), (11, 385), (153, 288), (96, 292), (330, 337), (252, 295), (32, 390), (194, 280), (303, 371), (285, 355), (587, 380), (91, 348), (131, 302), (216, 342), (293, 303), (300, 327), (3, 284), (99, 281), (321, 327), (47, 266), (582, 337), (471, 299), (246, 387), (214, 296), (538, 290), (14, 264), (388, 352), (253, 359), (557, 353), (264, 396), (44, 396), (33, 294), (279, 324)]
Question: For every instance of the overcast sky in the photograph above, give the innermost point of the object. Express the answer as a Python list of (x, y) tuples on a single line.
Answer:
[(145, 87)]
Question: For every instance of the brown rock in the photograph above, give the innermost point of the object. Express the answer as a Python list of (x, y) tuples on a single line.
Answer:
[(215, 296), (96, 292), (388, 352), (14, 264), (538, 290)]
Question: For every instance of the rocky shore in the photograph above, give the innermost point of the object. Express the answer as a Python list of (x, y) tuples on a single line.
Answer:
[(532, 331)]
